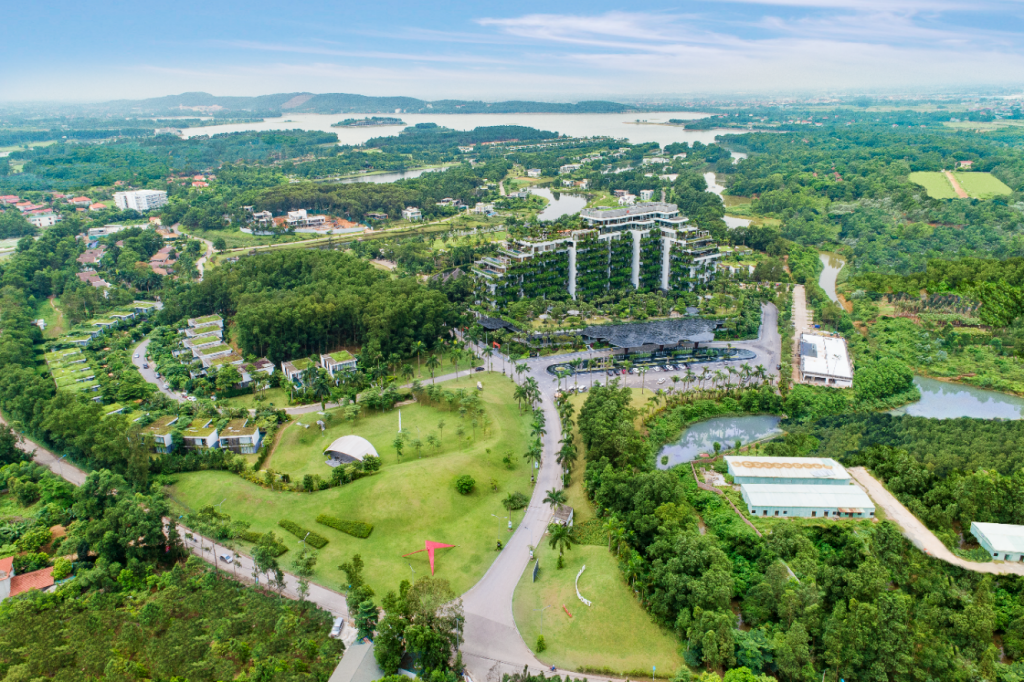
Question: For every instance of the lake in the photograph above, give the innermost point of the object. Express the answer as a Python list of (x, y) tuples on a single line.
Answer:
[(560, 204), (702, 436), (833, 263), (577, 125), (943, 400), (381, 178)]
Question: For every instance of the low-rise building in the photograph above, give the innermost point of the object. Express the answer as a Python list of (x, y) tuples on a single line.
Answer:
[(210, 352), (200, 435), (12, 585), (787, 470), (808, 501), (217, 361), (337, 362), (302, 219), (294, 369), (208, 329), (92, 256), (81, 202), (206, 320), (42, 218), (646, 194), (205, 341), (1003, 541), (533, 173), (412, 214), (160, 433), (91, 278), (569, 168), (240, 436), (825, 360)]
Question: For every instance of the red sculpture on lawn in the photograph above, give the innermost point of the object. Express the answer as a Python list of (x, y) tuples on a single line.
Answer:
[(429, 549)]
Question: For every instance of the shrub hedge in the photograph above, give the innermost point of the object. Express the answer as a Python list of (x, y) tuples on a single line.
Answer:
[(354, 528), (318, 541), (254, 538)]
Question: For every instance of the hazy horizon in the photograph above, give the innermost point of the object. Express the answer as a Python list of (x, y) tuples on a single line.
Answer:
[(96, 51)]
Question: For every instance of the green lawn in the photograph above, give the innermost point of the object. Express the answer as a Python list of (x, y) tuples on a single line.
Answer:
[(935, 183), (407, 502), (614, 633), (278, 397), (53, 316), (423, 374), (982, 185)]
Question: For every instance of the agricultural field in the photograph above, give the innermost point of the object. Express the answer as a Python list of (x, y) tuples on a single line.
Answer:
[(935, 183), (407, 501), (982, 185)]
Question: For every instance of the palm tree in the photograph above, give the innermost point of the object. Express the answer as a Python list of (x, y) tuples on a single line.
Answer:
[(433, 362), (322, 388), (519, 395), (534, 454), (408, 372), (643, 378), (417, 348), (719, 378), (613, 527), (520, 368), (555, 498), (690, 377), (537, 430), (453, 357), (489, 354), (562, 537), (509, 503)]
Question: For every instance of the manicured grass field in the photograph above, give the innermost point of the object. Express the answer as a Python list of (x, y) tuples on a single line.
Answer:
[(982, 185), (407, 502), (53, 317), (935, 183), (278, 397), (615, 632)]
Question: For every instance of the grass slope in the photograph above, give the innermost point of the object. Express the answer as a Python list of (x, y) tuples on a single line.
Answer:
[(615, 633), (407, 502)]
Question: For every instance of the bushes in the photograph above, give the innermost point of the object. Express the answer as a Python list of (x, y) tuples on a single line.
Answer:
[(464, 484), (354, 528), (254, 538), (61, 568), (318, 541)]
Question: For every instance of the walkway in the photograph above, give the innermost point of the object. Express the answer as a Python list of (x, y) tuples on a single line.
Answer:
[(918, 533), (802, 322)]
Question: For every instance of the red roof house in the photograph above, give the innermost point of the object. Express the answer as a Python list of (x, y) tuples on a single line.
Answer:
[(36, 580), (81, 201)]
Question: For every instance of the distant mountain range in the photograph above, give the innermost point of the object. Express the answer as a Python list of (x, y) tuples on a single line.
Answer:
[(337, 103)]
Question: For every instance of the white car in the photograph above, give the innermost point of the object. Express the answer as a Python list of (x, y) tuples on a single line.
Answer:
[(661, 381), (191, 398), (136, 355), (166, 386), (226, 558), (339, 624)]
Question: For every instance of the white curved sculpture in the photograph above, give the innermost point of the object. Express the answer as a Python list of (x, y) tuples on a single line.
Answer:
[(582, 598)]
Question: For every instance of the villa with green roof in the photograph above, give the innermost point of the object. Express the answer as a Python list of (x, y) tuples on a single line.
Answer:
[(159, 433), (200, 435), (205, 320), (293, 370), (338, 361), (209, 329), (220, 360), (212, 351)]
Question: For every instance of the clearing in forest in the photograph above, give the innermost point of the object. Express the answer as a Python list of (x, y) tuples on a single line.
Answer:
[(944, 184)]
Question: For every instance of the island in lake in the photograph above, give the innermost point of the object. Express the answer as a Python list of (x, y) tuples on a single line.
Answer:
[(370, 121)]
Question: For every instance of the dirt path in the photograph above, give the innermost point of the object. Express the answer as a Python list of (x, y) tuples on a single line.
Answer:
[(956, 186), (917, 533), (802, 321)]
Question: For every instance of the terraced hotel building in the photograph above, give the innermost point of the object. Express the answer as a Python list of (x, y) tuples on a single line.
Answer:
[(646, 246)]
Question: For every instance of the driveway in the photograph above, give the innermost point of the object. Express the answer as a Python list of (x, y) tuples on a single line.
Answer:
[(149, 373), (918, 533)]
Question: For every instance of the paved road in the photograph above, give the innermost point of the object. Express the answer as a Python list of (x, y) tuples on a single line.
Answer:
[(802, 322), (149, 374), (918, 533)]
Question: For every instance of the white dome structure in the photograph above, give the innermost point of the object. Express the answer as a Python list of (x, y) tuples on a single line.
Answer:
[(349, 449)]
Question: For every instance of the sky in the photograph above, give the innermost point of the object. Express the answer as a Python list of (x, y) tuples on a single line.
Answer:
[(549, 51)]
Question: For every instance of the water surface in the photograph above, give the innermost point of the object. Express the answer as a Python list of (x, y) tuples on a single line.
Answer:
[(382, 178), (833, 263), (701, 437), (560, 204), (943, 400)]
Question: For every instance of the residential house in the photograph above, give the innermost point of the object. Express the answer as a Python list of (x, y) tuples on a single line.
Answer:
[(211, 352), (412, 214), (90, 277), (219, 360), (97, 207), (250, 370), (12, 585), (92, 256), (646, 194), (9, 199), (241, 437), (200, 435), (297, 219), (376, 216), (162, 262), (81, 202), (569, 168), (627, 200), (42, 218), (206, 320), (482, 209), (337, 362), (533, 173), (205, 341), (144, 307), (964, 164), (159, 432), (208, 329)]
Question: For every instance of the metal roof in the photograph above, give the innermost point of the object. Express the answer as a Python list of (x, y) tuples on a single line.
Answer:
[(811, 496), (661, 333), (787, 467), (350, 448), (494, 323), (1002, 536), (635, 209)]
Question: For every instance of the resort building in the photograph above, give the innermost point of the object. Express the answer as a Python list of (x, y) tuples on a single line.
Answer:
[(160, 433), (647, 246), (216, 351), (533, 172), (787, 471), (205, 341), (1002, 540), (241, 437), (808, 501), (302, 219), (337, 362), (200, 435), (677, 339), (207, 320), (141, 200), (207, 329), (824, 360), (294, 370), (412, 214)]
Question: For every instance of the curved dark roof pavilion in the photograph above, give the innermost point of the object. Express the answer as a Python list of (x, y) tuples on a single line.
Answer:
[(661, 333)]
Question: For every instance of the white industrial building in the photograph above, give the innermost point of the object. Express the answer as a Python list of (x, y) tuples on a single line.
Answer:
[(787, 470), (824, 360), (808, 501), (140, 200), (1002, 540)]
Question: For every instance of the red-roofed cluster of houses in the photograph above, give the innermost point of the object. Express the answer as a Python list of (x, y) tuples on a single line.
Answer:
[(12, 585)]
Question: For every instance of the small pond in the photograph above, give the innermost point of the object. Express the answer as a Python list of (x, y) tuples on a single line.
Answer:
[(943, 400), (702, 436), (560, 203), (833, 263)]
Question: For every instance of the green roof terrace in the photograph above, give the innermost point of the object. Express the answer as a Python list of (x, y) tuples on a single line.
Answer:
[(340, 356)]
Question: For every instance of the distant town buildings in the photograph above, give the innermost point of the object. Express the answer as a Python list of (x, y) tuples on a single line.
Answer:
[(141, 200)]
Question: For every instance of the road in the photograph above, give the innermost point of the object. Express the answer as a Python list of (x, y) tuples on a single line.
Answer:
[(149, 373), (802, 322), (918, 533)]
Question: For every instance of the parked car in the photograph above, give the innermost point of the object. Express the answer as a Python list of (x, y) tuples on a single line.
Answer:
[(583, 389), (226, 558), (612, 372), (480, 369), (156, 374), (661, 381), (339, 624), (145, 365), (136, 355), (166, 386)]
